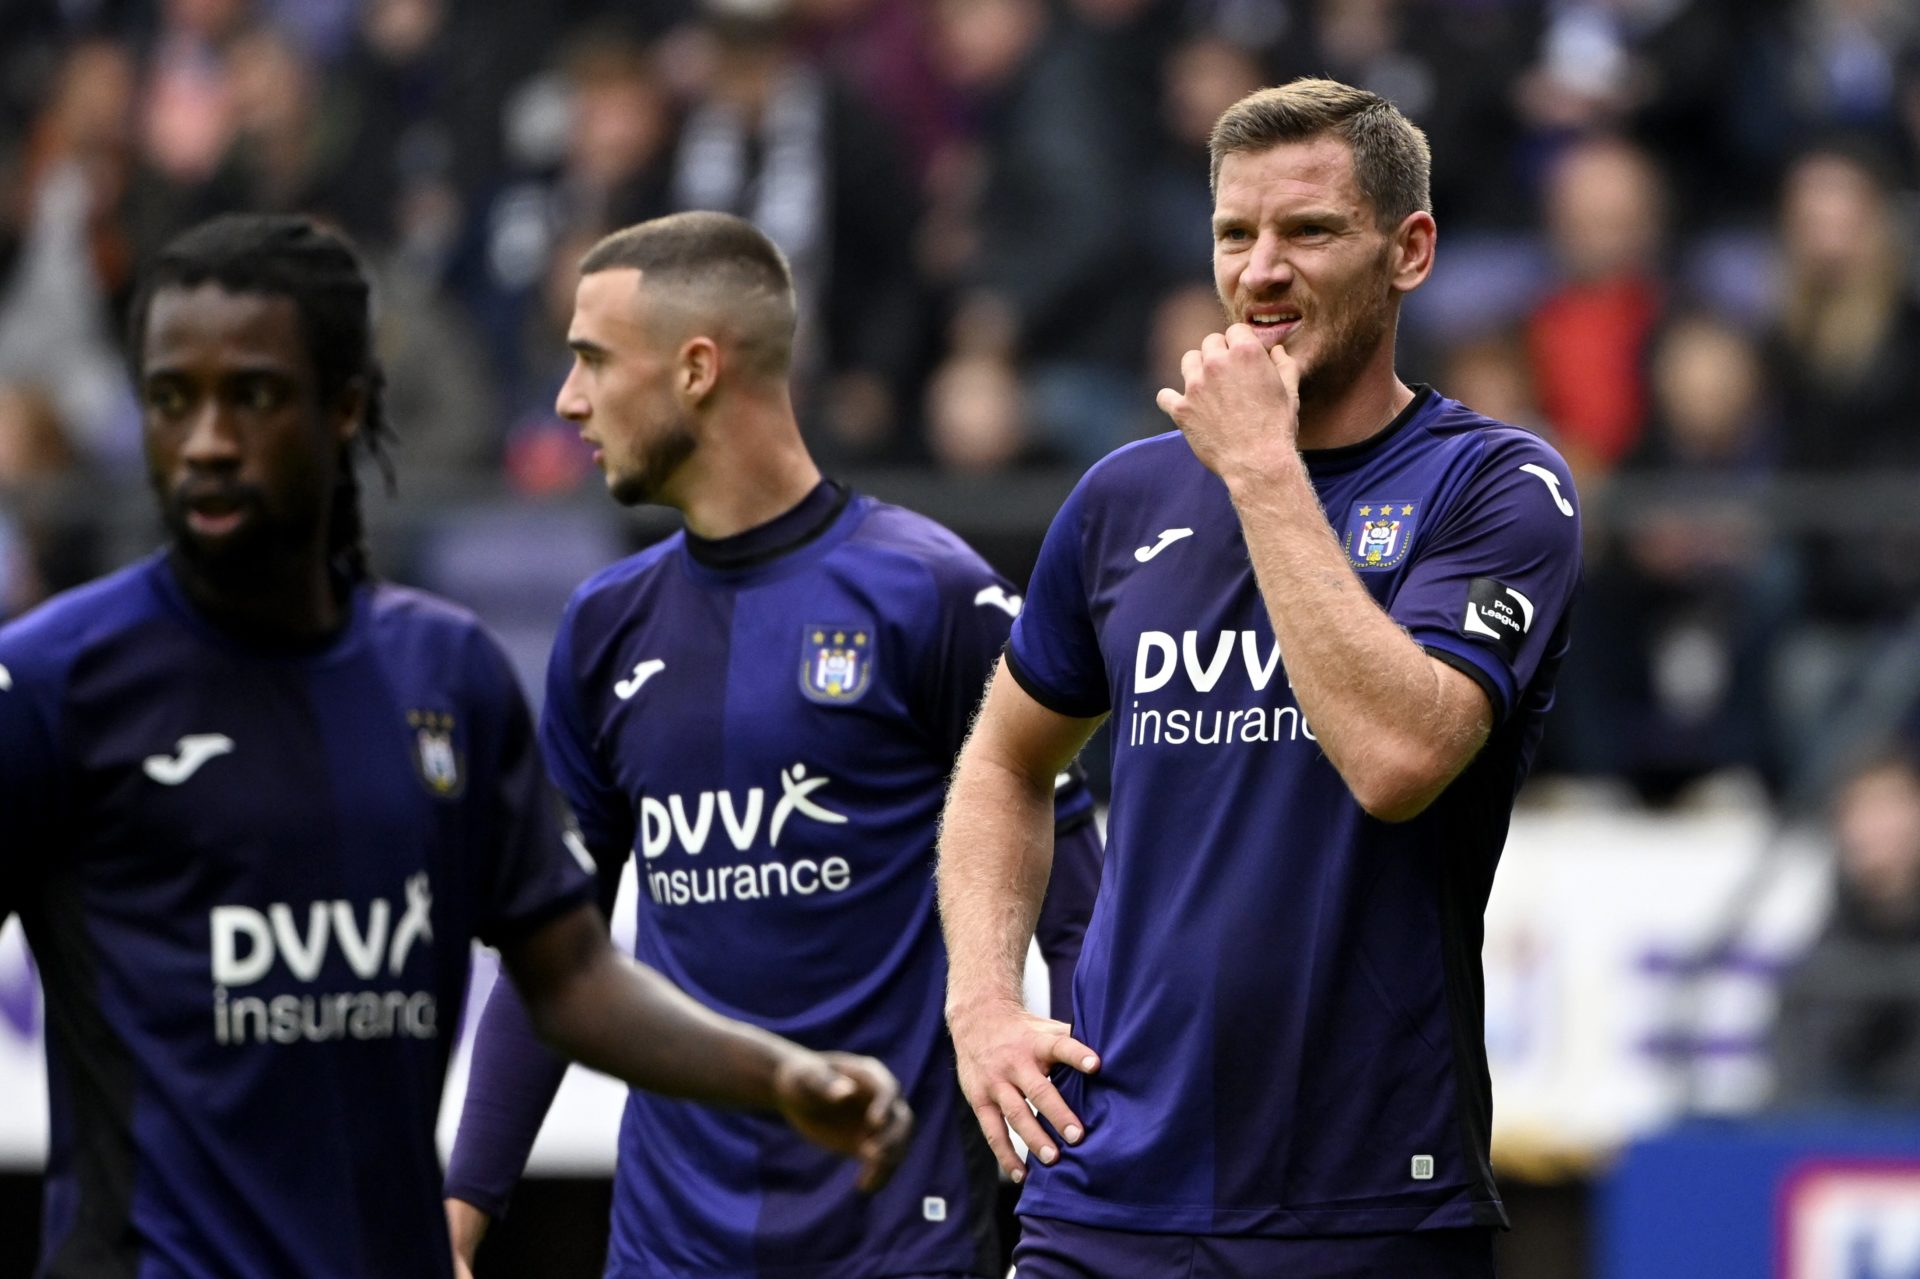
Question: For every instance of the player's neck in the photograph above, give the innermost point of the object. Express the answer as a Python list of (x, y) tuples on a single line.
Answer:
[(295, 600), (752, 469), (1357, 411)]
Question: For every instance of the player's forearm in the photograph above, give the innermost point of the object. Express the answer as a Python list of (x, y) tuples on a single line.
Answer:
[(626, 1020), (1371, 694), (467, 1225), (996, 851), (633, 1024)]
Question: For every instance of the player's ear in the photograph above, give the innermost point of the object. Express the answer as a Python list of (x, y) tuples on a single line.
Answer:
[(1413, 245), (699, 370)]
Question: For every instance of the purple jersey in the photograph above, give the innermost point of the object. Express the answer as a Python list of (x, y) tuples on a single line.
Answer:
[(1285, 992), (251, 879), (766, 724), (1053, 1249)]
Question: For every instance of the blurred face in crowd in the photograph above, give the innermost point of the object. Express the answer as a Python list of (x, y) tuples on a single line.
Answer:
[(33, 444), (1604, 210), (1357, 31), (975, 418), (241, 452), (1877, 823), (620, 119), (1299, 256), (978, 44), (93, 101), (1491, 375), (622, 388), (1706, 379), (274, 89), (208, 19), (1835, 220), (401, 29), (1205, 76)]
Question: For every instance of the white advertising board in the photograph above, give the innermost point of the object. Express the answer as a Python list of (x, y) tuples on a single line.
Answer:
[(1591, 997)]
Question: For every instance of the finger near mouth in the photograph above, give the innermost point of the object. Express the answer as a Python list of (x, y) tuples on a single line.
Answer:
[(1272, 334)]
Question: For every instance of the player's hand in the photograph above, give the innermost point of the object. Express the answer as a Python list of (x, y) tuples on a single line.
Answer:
[(467, 1226), (1004, 1053), (848, 1104), (1240, 410)]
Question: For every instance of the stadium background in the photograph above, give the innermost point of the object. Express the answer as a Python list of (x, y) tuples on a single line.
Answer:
[(1677, 238)]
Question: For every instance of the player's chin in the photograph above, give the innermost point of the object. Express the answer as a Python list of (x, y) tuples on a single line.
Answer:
[(215, 538), (229, 553), (628, 489)]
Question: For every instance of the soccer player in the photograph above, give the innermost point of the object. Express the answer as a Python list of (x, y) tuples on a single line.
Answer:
[(764, 709), (256, 806), (1324, 617)]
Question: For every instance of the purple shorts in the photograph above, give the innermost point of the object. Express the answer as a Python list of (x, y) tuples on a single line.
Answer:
[(1053, 1249)]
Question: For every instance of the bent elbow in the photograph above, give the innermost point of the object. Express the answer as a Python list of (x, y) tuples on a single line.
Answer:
[(1396, 806), (546, 1017), (1400, 790)]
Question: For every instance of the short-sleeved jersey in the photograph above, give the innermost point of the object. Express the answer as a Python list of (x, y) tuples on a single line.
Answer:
[(1286, 992), (768, 724), (251, 880)]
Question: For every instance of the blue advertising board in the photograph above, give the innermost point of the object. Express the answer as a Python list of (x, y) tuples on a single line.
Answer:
[(1829, 1197)]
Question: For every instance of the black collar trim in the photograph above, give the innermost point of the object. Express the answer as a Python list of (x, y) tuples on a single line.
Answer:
[(1422, 396), (782, 535)]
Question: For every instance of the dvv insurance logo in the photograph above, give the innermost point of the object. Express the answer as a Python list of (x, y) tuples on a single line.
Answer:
[(1850, 1220)]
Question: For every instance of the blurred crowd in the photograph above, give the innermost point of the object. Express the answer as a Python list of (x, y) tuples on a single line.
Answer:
[(1676, 238), (1848, 1031)]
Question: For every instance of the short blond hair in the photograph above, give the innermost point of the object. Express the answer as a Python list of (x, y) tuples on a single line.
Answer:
[(1391, 159)]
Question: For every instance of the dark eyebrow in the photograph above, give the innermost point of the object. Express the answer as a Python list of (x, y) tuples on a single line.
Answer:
[(156, 372), (580, 346), (1305, 217)]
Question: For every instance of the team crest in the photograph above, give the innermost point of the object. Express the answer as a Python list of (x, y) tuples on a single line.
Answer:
[(434, 756), (1379, 533), (836, 663)]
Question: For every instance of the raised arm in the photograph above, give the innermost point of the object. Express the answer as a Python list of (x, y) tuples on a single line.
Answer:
[(996, 851), (1399, 736)]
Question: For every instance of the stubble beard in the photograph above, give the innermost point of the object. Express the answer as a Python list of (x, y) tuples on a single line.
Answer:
[(259, 549), (662, 456), (1350, 344)]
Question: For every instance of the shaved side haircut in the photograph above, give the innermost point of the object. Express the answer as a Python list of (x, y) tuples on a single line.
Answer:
[(711, 273)]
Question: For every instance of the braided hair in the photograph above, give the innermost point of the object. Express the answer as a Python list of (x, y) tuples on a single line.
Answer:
[(319, 269)]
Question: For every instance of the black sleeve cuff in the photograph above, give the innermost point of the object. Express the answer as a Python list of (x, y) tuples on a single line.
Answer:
[(1474, 673), (1068, 825), (506, 931), (1046, 697)]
